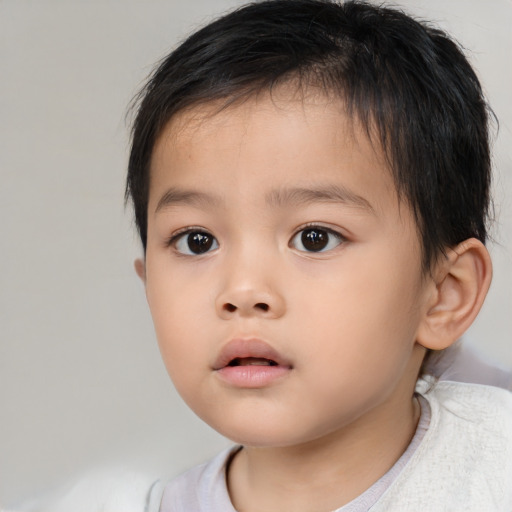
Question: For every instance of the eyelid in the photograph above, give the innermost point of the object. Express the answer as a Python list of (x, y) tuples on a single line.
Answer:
[(320, 225), (181, 233), (176, 235), (316, 225)]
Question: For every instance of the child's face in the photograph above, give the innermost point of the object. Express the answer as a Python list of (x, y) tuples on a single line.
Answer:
[(275, 232)]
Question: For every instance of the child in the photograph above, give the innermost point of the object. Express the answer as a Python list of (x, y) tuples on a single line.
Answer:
[(311, 186)]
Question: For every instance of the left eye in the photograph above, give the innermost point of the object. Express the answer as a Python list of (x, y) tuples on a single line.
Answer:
[(316, 239)]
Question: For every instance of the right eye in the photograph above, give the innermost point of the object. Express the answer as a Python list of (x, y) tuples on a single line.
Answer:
[(195, 242)]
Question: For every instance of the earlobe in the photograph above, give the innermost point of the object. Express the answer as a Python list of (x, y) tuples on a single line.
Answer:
[(140, 269), (461, 282)]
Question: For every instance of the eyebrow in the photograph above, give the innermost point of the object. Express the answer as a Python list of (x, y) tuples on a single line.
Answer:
[(177, 196), (295, 196), (326, 194)]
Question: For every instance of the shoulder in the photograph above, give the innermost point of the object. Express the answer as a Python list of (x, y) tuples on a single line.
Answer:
[(473, 420), (470, 406), (200, 487), (120, 490), (107, 490), (465, 459)]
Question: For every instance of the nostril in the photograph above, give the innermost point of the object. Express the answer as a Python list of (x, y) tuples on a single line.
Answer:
[(259, 306)]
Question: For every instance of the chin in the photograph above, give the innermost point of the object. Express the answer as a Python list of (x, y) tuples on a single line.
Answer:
[(267, 434), (258, 434)]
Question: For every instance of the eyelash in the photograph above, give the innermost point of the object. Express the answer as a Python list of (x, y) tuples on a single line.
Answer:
[(209, 241), (338, 237), (176, 238)]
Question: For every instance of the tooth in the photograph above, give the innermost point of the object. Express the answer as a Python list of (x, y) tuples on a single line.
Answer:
[(259, 363)]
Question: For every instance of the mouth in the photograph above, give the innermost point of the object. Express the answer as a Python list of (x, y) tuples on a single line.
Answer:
[(249, 352), (251, 363)]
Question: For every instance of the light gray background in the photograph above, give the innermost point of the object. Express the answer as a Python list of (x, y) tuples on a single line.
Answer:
[(81, 382)]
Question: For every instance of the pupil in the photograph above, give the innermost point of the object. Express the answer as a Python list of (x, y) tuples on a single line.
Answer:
[(314, 239), (199, 243)]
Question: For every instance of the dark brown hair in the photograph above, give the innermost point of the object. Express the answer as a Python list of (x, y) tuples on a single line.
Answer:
[(406, 82)]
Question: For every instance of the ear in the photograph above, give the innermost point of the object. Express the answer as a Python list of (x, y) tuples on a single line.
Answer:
[(460, 282), (140, 269)]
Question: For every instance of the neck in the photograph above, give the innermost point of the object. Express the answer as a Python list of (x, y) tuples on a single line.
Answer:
[(326, 473)]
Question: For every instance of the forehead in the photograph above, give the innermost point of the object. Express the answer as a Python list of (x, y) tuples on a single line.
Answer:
[(276, 139)]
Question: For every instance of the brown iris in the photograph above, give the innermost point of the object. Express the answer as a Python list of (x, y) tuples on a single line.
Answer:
[(314, 239), (199, 243)]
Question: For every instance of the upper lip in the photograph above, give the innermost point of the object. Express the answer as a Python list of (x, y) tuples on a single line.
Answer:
[(253, 347)]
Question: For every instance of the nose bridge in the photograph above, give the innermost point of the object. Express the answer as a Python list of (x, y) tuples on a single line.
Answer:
[(250, 285)]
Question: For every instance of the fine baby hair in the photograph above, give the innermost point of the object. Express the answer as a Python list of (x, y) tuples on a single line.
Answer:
[(409, 85)]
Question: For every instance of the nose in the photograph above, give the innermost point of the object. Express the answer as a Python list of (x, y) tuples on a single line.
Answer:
[(249, 293)]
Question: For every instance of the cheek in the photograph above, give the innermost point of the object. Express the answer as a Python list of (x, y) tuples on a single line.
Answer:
[(179, 315), (362, 315)]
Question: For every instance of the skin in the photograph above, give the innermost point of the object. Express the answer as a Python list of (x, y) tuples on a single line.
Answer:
[(347, 319)]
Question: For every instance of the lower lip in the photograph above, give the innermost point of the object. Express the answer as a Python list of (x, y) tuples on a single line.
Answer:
[(252, 376)]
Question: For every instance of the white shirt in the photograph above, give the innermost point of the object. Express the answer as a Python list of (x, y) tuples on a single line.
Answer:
[(462, 462)]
